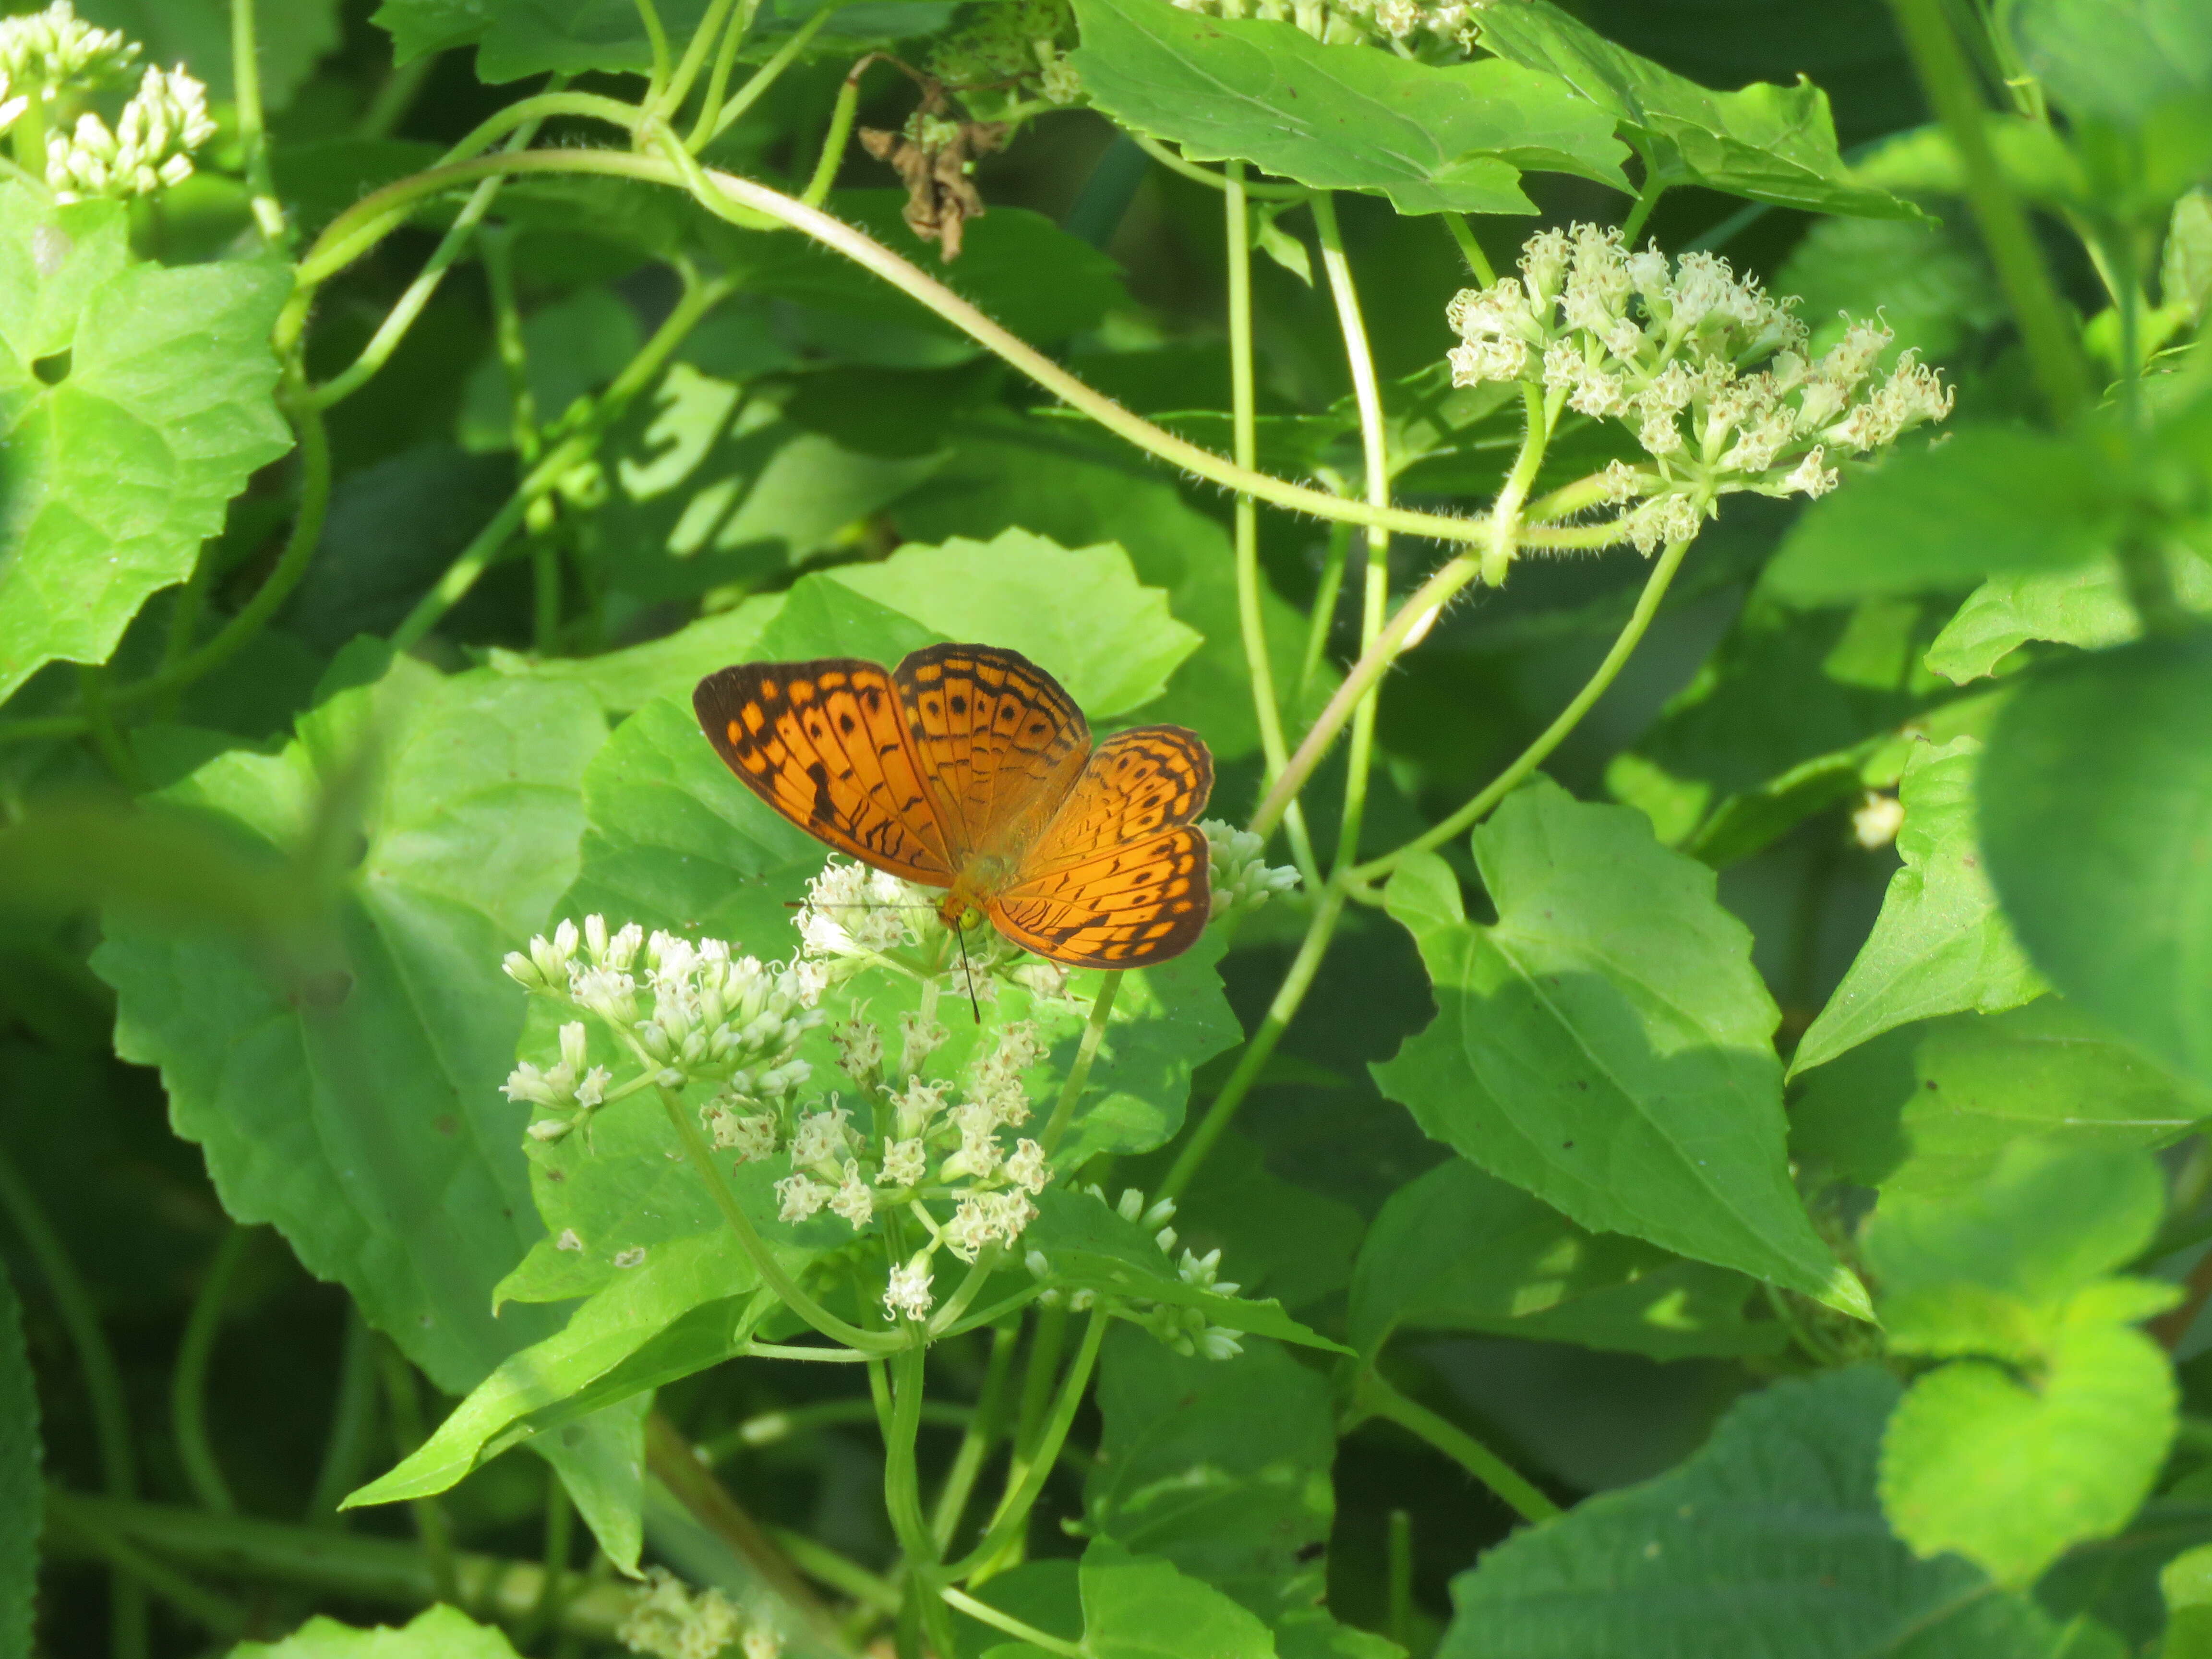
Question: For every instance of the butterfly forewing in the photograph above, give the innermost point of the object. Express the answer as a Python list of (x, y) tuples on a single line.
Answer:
[(1000, 744), (826, 743), (1119, 879)]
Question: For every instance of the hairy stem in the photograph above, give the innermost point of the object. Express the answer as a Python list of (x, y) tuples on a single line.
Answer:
[(1624, 646), (1373, 1397)]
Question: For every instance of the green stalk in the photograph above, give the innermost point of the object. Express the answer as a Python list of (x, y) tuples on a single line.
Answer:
[(986, 1614), (1329, 909), (1251, 619), (1327, 594), (826, 1566), (1398, 1619), (484, 547), (755, 1249), (1027, 1476), (774, 1428), (394, 96), (656, 35), (1087, 1050), (1367, 395), (355, 231), (975, 1443), (188, 1382), (1640, 210), (253, 138), (1373, 1397), (703, 41), (560, 1537), (767, 74), (2052, 348), (1213, 180), (432, 1529), (106, 736), (102, 1381), (717, 80), (353, 1420), (1624, 646), (218, 1613), (842, 115), (1047, 1338), (1470, 249)]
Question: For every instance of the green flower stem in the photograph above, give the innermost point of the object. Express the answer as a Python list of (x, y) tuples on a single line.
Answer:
[(671, 1460), (1047, 1338), (1087, 1050), (841, 114), (992, 1314), (902, 1476), (1624, 646), (656, 35), (774, 1428), (291, 564), (2052, 349), (1418, 614), (358, 229), (755, 1248), (820, 1356), (432, 1529), (1639, 211), (1462, 237), (766, 75), (485, 547), (704, 39), (106, 736), (1367, 395), (1025, 1478), (218, 1613), (1373, 1397), (419, 292), (1328, 910), (975, 1443), (560, 1539), (394, 96), (353, 1419), (100, 1377), (826, 1566), (188, 1382), (253, 138), (1207, 176), (1398, 1578), (987, 1262), (1327, 594), (717, 79), (379, 1571), (984, 1612)]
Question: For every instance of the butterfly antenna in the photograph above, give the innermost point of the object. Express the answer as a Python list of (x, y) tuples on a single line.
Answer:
[(960, 933)]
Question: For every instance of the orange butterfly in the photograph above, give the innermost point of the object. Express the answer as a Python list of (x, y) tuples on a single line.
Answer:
[(968, 768)]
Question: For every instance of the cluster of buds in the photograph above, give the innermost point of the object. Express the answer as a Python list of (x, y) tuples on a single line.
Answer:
[(927, 1150), (999, 52), (669, 1621), (683, 1012), (1186, 1330), (1710, 372), (56, 54), (1239, 877), (856, 918), (1403, 25), (150, 147)]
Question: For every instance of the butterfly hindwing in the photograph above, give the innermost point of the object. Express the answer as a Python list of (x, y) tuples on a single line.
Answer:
[(1000, 744), (1119, 877), (826, 745)]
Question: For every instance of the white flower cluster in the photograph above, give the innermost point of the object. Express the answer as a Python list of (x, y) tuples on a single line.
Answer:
[(150, 146), (1187, 1330), (836, 1168), (1239, 877), (686, 1012), (55, 54), (855, 917), (1399, 23), (1675, 350), (669, 1621)]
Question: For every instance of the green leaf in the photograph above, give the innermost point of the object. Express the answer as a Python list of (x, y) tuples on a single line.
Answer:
[(1939, 945), (663, 669), (573, 347), (1275, 1236), (1928, 1109), (1087, 1246), (346, 1087), (293, 38), (22, 1495), (2086, 606), (2124, 61), (600, 1458), (2034, 503), (1138, 1607), (2046, 1222), (1607, 1044), (1432, 139), (1978, 1462), (516, 38), (551, 1383), (135, 402), (2096, 792), (439, 1633), (1769, 1541), (1771, 143), (2185, 1585), (1083, 616), (1458, 1250), (1221, 1467), (1927, 281)]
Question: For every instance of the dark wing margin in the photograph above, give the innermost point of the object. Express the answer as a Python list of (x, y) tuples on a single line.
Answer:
[(825, 744)]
